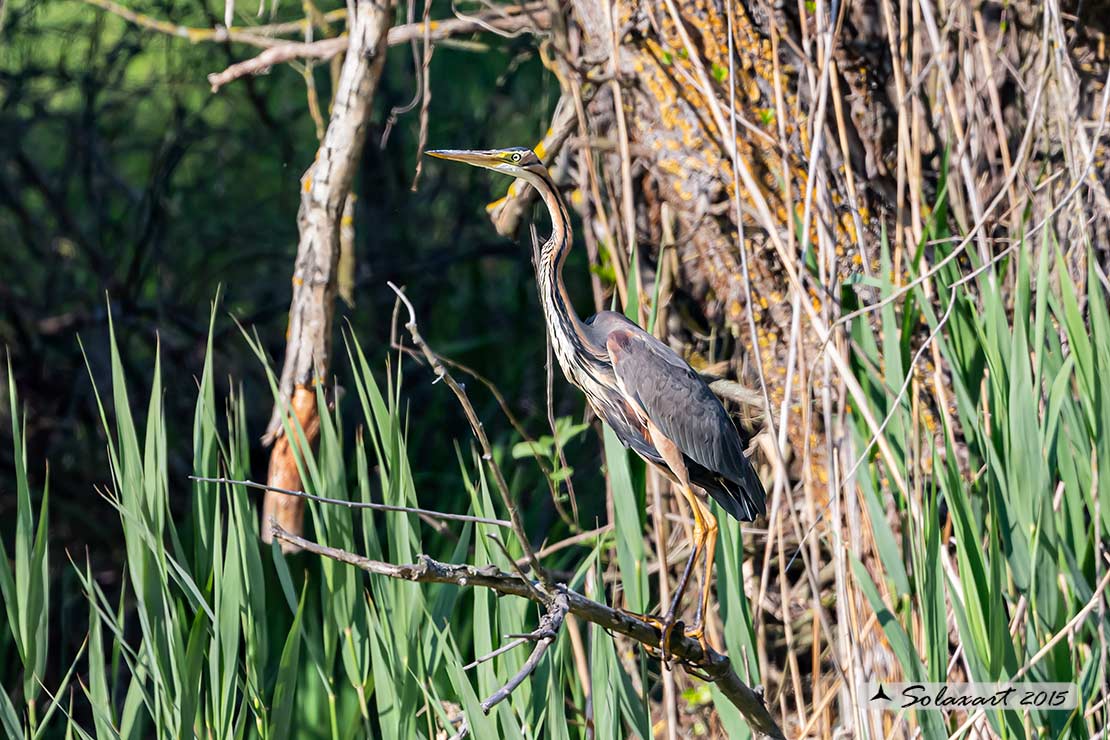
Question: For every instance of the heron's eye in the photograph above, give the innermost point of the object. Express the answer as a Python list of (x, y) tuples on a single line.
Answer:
[(516, 156)]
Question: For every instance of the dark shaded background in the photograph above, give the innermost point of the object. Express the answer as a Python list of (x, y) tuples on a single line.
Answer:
[(128, 189)]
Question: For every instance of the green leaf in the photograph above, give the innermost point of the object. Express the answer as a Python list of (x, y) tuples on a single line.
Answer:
[(628, 511), (479, 723), (736, 615), (99, 698), (286, 685), (562, 474), (26, 595), (55, 699), (603, 670), (9, 718), (191, 680), (537, 448), (931, 722), (566, 430), (889, 553)]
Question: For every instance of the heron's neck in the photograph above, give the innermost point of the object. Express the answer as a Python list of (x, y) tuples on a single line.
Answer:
[(564, 326)]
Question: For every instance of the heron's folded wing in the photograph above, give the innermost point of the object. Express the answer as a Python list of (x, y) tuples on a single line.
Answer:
[(681, 405)]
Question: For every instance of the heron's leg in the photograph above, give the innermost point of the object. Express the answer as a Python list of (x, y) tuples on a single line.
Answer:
[(674, 460), (697, 546), (666, 623), (687, 571), (698, 630)]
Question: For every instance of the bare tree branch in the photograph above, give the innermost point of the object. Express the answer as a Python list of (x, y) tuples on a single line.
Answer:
[(545, 634), (479, 434), (325, 49), (510, 19), (324, 190), (277, 52), (712, 665)]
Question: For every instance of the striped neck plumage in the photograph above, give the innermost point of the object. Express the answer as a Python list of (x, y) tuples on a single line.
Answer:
[(564, 325)]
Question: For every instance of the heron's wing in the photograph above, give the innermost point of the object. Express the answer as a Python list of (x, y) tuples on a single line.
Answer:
[(680, 404)]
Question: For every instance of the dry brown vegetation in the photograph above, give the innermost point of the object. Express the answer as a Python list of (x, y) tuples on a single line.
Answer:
[(880, 218)]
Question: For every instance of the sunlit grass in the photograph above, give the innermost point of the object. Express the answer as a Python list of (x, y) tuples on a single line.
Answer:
[(992, 546), (997, 535)]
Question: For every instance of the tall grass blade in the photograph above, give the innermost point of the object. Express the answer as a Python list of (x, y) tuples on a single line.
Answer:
[(26, 595), (285, 686), (629, 522)]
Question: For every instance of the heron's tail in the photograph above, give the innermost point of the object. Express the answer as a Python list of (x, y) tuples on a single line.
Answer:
[(744, 499)]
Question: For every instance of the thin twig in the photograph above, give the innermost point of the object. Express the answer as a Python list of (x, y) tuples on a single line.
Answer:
[(499, 651), (575, 539), (426, 94), (359, 504), (533, 17), (418, 70), (325, 49), (502, 403), (545, 634), (479, 433)]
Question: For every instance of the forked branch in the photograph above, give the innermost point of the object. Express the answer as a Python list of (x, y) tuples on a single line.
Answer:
[(479, 432), (709, 664), (544, 636)]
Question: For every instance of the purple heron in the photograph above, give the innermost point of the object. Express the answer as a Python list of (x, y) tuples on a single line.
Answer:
[(653, 400)]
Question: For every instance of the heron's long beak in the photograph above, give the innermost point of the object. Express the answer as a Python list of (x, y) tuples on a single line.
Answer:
[(477, 158)]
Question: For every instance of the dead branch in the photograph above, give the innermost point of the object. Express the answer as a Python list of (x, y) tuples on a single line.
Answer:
[(732, 391), (533, 17), (511, 19), (325, 49), (712, 665), (479, 433), (544, 635), (277, 52), (324, 190), (189, 33)]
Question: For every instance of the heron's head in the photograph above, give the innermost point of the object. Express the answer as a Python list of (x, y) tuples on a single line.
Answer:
[(516, 161)]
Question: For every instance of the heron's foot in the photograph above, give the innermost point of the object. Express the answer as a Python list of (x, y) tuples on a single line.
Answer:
[(650, 619), (653, 620), (697, 632), (634, 615), (666, 625), (667, 631)]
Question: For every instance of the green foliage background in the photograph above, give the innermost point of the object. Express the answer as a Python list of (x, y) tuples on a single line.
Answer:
[(145, 606), (128, 187)]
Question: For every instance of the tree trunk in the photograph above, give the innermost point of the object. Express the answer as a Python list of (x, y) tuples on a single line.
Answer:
[(835, 119), (324, 191), (774, 147)]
